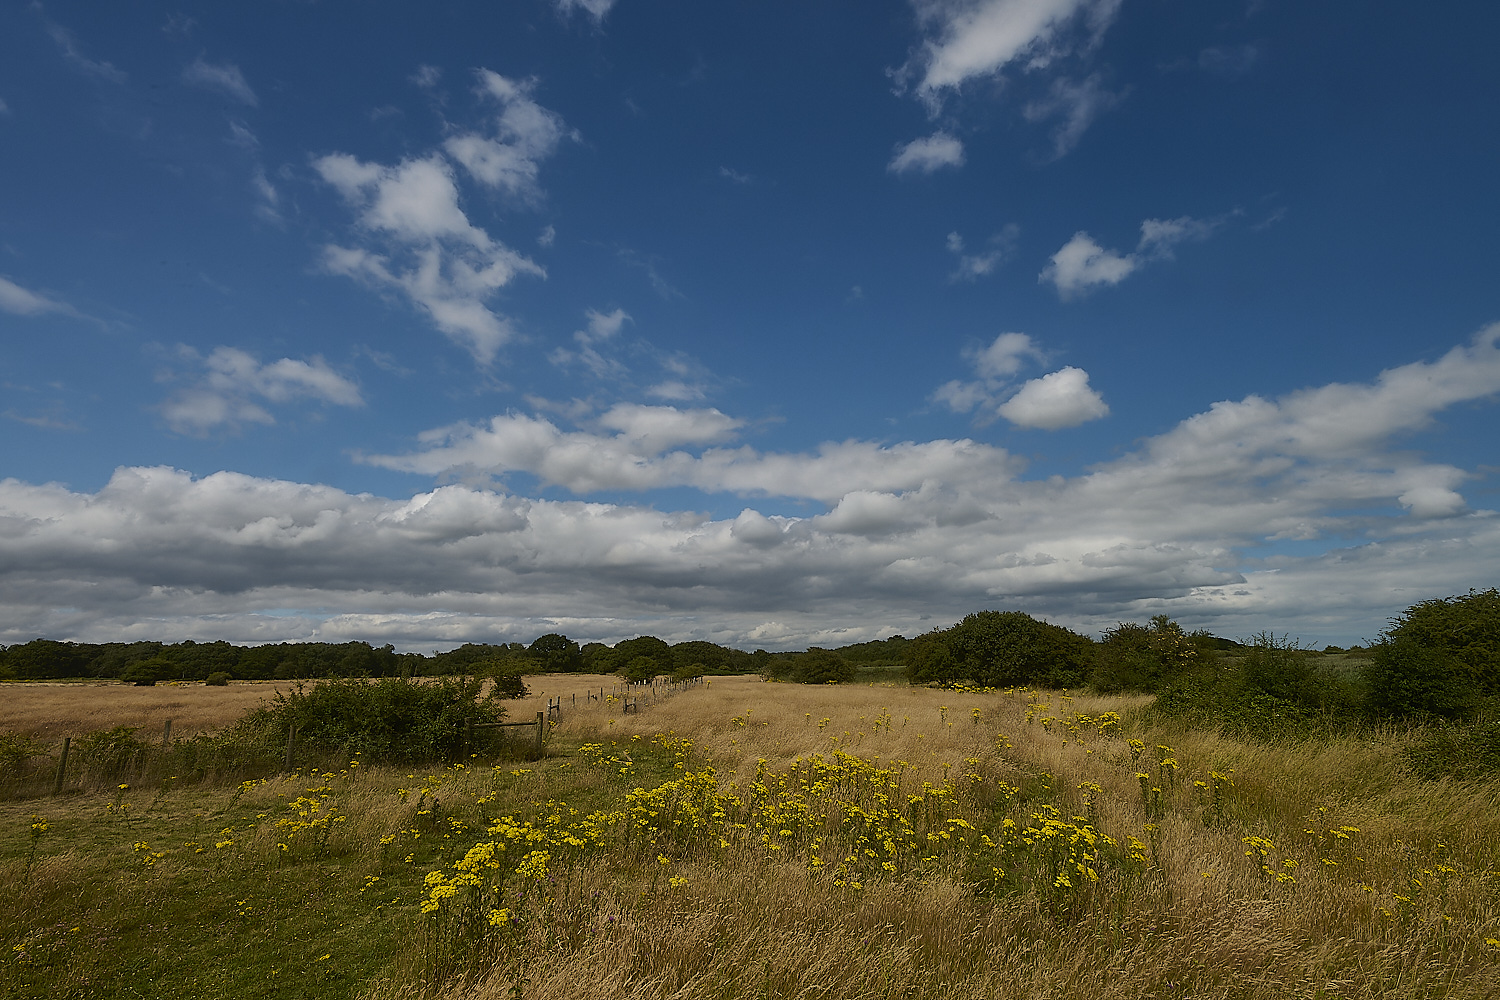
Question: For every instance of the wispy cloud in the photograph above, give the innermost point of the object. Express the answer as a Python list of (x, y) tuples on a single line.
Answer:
[(997, 250), (596, 9), (1077, 103), (73, 54), (21, 301), (965, 41), (225, 78), (927, 155)]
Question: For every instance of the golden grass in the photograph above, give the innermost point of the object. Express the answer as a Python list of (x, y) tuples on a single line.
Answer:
[(56, 709), (1200, 919)]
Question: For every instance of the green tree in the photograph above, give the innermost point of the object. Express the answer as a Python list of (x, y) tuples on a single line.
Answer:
[(556, 654), (1010, 648)]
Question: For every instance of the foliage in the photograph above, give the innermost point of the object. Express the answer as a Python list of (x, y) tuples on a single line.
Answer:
[(1001, 649), (1462, 752), (1407, 679), (218, 679), (1134, 657), (391, 719), (1438, 658), (816, 666), (555, 654), (640, 669)]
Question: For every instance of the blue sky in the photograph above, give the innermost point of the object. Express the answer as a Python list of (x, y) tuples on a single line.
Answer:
[(773, 324)]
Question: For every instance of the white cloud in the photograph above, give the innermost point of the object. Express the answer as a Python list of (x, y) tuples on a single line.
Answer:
[(420, 242), (597, 9), (971, 39), (4, 108), (1077, 103), (1082, 265), (24, 302), (1061, 399), (226, 391), (524, 134), (432, 253), (916, 534), (927, 154), (1004, 356), (226, 79), (995, 364)]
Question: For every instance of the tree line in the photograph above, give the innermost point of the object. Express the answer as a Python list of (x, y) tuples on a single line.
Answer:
[(1440, 658)]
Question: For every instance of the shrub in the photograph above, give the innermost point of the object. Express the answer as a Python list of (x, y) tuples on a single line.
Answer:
[(217, 679), (1002, 649), (816, 666), (1467, 627), (1135, 657), (1407, 679), (640, 669), (391, 719)]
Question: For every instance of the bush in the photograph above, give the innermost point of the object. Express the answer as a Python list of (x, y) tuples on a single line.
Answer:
[(816, 666), (1135, 657), (391, 719), (1002, 649), (1407, 679), (217, 679), (1466, 627)]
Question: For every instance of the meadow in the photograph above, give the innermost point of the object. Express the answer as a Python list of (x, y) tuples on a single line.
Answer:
[(745, 839)]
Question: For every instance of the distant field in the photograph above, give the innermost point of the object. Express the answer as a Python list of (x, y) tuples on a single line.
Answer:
[(54, 709)]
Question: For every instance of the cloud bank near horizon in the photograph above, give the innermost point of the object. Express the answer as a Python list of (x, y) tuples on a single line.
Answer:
[(1231, 520)]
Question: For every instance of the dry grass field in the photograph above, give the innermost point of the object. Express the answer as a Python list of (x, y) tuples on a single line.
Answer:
[(737, 839)]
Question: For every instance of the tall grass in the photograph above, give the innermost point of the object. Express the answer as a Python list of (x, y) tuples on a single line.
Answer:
[(1314, 868)]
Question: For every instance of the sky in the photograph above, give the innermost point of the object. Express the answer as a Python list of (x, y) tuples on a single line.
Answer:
[(769, 323)]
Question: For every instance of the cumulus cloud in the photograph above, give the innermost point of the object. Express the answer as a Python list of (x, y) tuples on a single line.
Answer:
[(424, 246), (927, 155), (1187, 523), (230, 387), (1061, 399), (586, 461), (417, 238), (225, 78), (522, 135), (1082, 265)]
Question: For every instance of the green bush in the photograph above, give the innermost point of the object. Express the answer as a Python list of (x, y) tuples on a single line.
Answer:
[(1407, 679), (390, 719), (217, 679), (1001, 649), (1134, 657), (1462, 752), (816, 666)]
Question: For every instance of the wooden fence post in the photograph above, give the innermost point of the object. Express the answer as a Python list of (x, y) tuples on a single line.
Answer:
[(62, 766), (291, 737), (166, 738), (541, 723)]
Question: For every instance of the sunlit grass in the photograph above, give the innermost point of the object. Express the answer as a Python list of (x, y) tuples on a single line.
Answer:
[(741, 839)]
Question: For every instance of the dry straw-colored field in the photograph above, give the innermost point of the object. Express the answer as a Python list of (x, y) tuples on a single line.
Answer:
[(739, 839)]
